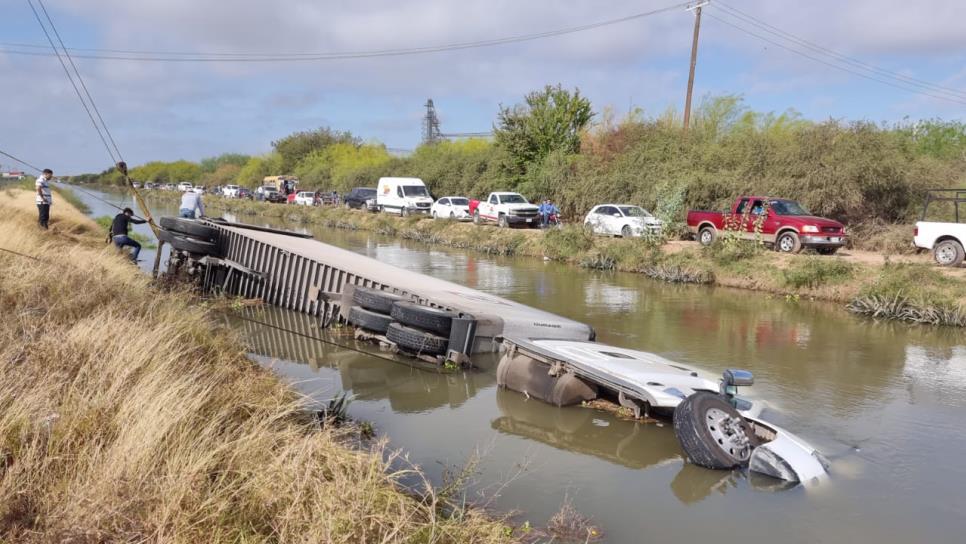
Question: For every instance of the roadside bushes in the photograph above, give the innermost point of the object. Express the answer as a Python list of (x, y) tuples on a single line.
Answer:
[(915, 293)]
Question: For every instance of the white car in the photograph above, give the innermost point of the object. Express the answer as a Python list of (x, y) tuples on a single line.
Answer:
[(230, 191), (946, 239), (184, 186), (305, 198), (200, 189), (624, 220), (451, 207)]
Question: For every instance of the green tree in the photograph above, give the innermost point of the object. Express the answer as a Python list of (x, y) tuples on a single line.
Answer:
[(550, 120), (253, 173), (210, 164), (294, 147)]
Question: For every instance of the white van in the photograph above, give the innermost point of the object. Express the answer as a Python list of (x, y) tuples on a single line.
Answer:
[(403, 196)]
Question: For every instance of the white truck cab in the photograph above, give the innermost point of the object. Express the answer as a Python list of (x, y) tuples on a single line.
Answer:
[(403, 196), (507, 209), (945, 233)]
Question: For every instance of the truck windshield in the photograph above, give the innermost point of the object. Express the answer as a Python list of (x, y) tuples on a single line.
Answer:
[(513, 199), (788, 207), (414, 190), (634, 211)]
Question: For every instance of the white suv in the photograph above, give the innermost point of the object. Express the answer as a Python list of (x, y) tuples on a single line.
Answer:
[(230, 191), (184, 186), (945, 238)]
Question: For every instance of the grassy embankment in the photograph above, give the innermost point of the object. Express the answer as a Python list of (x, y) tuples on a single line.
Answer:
[(128, 416), (910, 291)]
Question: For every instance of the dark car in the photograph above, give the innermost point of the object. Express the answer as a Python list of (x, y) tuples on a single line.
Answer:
[(357, 197), (244, 193), (275, 197)]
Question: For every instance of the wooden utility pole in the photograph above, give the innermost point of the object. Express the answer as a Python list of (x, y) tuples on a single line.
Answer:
[(694, 60)]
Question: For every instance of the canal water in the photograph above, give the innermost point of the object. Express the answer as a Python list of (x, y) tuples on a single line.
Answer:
[(885, 402)]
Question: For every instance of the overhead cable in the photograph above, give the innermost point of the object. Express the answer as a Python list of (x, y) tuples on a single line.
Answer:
[(158, 56)]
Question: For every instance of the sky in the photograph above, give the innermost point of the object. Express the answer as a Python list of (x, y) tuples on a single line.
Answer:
[(169, 111)]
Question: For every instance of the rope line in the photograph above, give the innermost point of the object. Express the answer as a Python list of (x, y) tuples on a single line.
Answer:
[(25, 163)]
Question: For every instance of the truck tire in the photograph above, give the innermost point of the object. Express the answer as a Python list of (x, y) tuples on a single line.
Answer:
[(788, 242), (423, 317), (420, 342), (502, 222), (404, 212), (948, 253), (476, 218), (375, 300), (371, 321), (706, 236), (712, 433), (191, 245), (190, 228)]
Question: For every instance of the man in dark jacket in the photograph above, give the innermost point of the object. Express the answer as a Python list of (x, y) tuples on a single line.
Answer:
[(119, 229)]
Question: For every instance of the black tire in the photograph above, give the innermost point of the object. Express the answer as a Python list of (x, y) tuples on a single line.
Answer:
[(423, 317), (371, 321), (404, 212), (694, 428), (477, 220), (502, 221), (190, 228), (948, 253), (706, 236), (417, 341), (826, 250), (191, 245), (375, 300), (626, 231), (788, 242)]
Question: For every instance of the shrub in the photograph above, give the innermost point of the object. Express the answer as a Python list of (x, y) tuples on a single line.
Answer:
[(813, 272)]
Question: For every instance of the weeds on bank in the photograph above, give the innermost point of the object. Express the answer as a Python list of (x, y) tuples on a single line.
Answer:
[(813, 272), (914, 293)]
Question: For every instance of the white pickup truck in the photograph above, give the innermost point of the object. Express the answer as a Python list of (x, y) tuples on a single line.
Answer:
[(945, 238), (505, 209)]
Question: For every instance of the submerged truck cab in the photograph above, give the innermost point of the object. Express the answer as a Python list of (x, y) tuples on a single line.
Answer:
[(403, 196)]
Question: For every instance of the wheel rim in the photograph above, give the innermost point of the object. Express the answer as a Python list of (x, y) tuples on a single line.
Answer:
[(728, 434), (785, 244), (452, 215), (946, 254), (626, 232), (502, 220), (705, 237)]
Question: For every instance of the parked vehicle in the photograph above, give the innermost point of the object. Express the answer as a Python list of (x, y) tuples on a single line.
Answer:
[(273, 196), (184, 186), (624, 220), (784, 223), (200, 189), (149, 185), (230, 191), (305, 198), (244, 193), (506, 210), (136, 184), (356, 199), (170, 187), (946, 239), (284, 184), (451, 207), (403, 196)]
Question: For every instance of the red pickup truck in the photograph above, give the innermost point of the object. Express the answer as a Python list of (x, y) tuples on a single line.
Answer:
[(781, 222)]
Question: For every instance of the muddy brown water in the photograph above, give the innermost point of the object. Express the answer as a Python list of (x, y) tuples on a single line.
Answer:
[(885, 402)]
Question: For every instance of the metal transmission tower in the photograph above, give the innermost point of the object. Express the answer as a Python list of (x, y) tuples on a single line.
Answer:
[(431, 133)]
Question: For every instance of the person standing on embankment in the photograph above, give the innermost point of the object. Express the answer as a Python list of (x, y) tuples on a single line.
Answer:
[(191, 201), (44, 198), (119, 232)]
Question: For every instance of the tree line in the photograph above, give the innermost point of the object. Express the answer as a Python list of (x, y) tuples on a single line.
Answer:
[(553, 145)]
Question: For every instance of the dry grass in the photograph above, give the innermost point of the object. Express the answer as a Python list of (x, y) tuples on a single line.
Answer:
[(125, 415)]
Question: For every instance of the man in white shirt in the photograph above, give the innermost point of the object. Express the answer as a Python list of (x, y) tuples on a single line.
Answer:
[(191, 201), (44, 198)]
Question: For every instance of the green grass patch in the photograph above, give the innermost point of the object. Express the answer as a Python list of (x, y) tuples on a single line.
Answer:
[(813, 272)]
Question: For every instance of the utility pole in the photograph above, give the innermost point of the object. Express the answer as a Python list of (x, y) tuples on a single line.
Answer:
[(694, 60), (431, 133)]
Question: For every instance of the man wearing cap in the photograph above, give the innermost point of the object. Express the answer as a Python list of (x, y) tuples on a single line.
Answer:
[(119, 230), (44, 199)]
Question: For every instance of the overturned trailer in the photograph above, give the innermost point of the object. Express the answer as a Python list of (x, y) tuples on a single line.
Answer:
[(545, 356)]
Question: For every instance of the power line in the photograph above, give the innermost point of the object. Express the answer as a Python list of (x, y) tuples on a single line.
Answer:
[(771, 29), (81, 79), (71, 79), (833, 65), (148, 56)]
